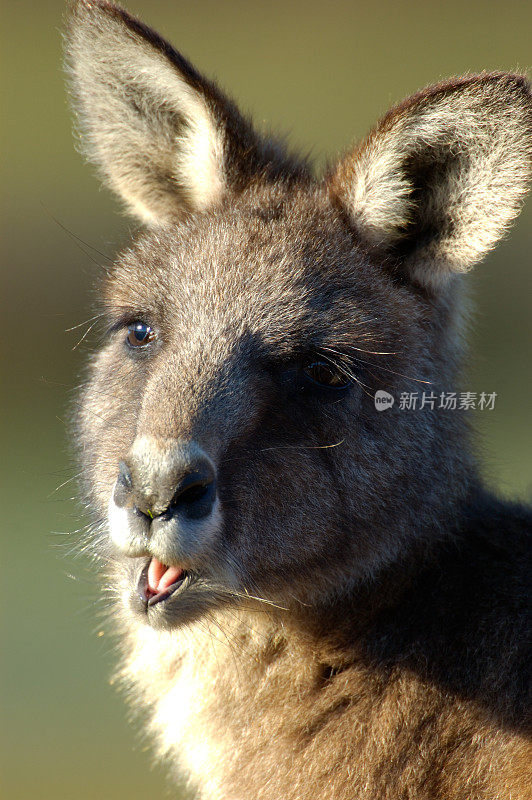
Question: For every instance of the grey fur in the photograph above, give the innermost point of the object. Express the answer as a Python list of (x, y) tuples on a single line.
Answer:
[(352, 622)]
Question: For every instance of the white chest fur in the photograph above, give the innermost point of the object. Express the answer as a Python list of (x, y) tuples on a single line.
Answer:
[(192, 680)]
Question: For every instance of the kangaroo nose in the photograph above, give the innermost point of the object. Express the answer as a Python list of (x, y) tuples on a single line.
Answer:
[(166, 482)]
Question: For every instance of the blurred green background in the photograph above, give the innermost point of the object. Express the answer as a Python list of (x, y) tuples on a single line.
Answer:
[(323, 72)]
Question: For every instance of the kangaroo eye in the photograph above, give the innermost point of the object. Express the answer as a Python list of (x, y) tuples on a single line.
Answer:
[(325, 374), (139, 334)]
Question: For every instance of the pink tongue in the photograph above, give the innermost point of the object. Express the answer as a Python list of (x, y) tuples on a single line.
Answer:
[(160, 577)]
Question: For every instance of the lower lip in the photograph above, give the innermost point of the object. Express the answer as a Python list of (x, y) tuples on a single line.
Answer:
[(147, 597)]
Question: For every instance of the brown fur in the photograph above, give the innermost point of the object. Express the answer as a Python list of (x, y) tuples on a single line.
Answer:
[(355, 613)]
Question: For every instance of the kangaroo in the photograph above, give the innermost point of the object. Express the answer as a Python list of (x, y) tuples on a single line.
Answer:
[(316, 596)]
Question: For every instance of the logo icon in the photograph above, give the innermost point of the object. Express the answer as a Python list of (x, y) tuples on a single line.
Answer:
[(383, 400)]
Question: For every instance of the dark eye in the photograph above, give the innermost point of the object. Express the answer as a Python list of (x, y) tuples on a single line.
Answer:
[(325, 374), (139, 334)]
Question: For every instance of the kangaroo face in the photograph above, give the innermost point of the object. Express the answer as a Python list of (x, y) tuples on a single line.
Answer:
[(229, 432), (227, 418)]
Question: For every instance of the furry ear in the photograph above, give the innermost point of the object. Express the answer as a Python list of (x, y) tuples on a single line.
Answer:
[(437, 182), (165, 138)]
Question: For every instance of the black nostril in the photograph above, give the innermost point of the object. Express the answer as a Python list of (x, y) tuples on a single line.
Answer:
[(153, 489), (123, 486), (194, 495)]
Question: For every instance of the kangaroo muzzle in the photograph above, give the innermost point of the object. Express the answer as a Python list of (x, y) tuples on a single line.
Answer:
[(164, 490), (172, 483)]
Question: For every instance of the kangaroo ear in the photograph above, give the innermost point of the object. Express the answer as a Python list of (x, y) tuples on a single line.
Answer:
[(437, 182), (165, 139)]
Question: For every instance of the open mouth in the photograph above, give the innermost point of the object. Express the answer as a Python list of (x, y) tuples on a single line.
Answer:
[(158, 582)]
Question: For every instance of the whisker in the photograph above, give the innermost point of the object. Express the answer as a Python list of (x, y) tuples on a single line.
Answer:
[(247, 596), (80, 324), (344, 368), (61, 485), (89, 329), (79, 241), (379, 366), (302, 446)]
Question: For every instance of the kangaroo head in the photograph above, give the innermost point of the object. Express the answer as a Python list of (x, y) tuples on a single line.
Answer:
[(230, 437)]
